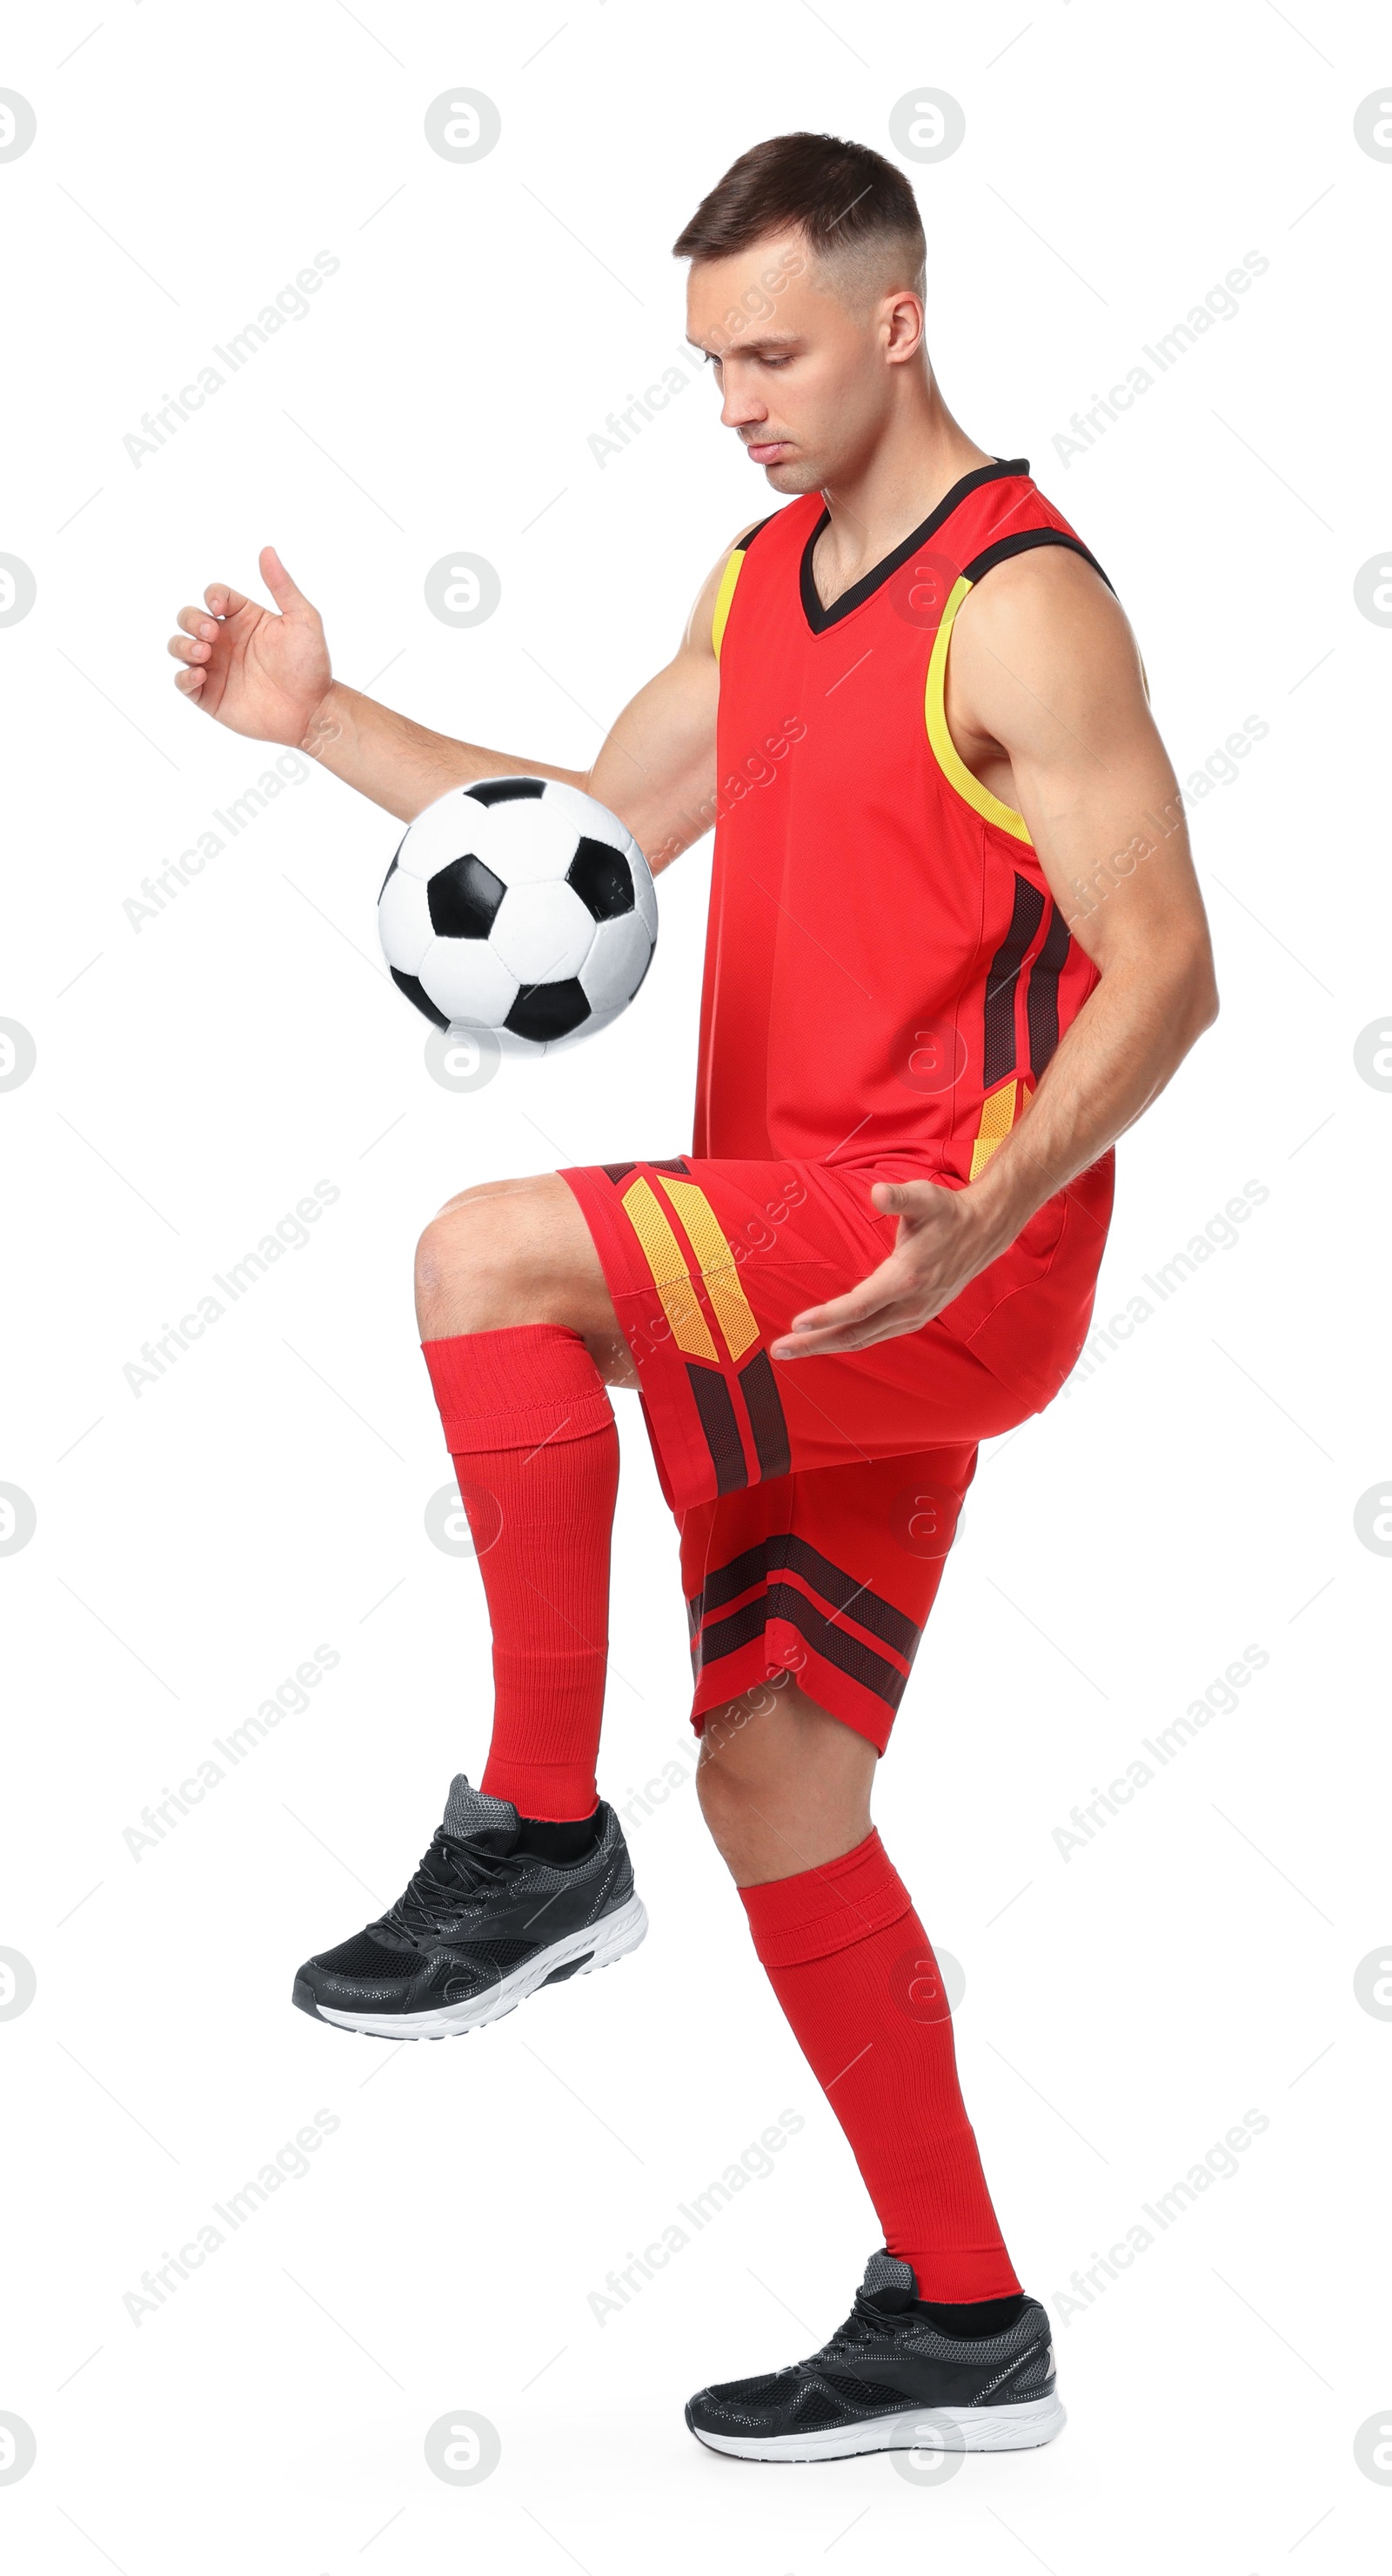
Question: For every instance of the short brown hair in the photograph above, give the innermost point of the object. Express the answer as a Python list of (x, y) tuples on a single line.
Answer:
[(840, 196)]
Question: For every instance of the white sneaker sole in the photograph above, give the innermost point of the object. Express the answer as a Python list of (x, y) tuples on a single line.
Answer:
[(610, 1938), (929, 2428)]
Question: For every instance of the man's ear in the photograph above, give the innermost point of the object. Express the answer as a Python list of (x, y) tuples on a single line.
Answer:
[(903, 317)]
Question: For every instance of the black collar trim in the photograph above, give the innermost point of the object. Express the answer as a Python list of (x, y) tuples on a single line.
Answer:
[(819, 618)]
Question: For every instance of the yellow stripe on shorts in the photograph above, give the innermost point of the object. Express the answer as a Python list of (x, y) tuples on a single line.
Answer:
[(671, 1279), (997, 1119), (708, 1242)]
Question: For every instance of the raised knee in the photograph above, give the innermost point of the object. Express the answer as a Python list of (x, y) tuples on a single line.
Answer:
[(444, 1247), (474, 1241)]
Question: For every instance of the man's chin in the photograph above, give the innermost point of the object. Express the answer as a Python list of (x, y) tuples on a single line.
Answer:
[(792, 474)]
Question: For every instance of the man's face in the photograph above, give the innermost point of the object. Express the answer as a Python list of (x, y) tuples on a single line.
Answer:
[(807, 379)]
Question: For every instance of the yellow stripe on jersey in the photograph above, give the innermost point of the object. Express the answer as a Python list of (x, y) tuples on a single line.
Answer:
[(997, 1119), (717, 1261), (723, 597), (671, 1279), (945, 750)]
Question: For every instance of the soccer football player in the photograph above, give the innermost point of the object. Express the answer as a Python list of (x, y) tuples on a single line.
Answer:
[(956, 947)]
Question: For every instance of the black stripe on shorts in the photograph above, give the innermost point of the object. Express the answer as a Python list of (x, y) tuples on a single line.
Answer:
[(716, 1408), (783, 1549), (835, 1645), (764, 1406)]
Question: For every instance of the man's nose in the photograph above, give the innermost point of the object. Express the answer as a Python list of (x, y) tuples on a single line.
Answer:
[(741, 408)]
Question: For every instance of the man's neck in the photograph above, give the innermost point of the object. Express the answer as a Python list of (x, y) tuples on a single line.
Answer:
[(915, 464)]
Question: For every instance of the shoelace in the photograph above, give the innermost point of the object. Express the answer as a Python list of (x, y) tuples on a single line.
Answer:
[(865, 2323), (869, 2323), (436, 1897)]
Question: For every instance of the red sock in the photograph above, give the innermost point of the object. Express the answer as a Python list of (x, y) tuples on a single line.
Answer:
[(531, 1432), (852, 1967)]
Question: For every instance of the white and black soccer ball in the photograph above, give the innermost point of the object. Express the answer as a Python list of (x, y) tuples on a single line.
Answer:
[(522, 906)]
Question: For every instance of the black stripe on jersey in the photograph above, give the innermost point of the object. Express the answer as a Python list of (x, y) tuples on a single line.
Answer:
[(819, 618), (716, 1408), (998, 1058), (756, 531), (1021, 543), (835, 1645), (1041, 992), (767, 1421)]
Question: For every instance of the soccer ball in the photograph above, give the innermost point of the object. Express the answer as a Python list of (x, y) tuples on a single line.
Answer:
[(521, 906)]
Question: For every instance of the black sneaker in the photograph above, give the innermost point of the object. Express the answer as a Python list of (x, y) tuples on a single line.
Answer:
[(889, 2380), (480, 1927)]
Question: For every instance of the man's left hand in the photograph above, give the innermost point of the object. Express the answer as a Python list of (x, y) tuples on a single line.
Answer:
[(941, 1245)]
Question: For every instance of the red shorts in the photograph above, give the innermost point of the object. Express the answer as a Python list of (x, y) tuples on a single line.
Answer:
[(817, 1499)]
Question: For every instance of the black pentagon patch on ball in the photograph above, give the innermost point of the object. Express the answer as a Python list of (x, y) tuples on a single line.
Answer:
[(548, 1010), (463, 898), (505, 791), (386, 881), (602, 878), (415, 991)]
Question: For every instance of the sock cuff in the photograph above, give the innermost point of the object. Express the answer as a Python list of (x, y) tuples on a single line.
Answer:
[(821, 1910), (516, 1388)]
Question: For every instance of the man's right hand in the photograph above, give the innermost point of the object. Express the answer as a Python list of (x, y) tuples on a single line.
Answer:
[(258, 673), (269, 676)]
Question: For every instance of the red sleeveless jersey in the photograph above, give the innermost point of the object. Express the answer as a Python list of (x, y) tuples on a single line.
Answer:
[(886, 970), (885, 965)]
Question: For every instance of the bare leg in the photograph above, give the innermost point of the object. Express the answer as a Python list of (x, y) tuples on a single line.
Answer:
[(783, 1785), (518, 1252)]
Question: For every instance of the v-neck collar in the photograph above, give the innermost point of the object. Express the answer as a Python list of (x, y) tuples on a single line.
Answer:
[(819, 618)]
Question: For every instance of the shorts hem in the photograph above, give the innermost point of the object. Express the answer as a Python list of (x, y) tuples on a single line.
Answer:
[(838, 1693)]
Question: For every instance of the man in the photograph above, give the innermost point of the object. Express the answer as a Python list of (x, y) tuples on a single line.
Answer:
[(956, 947)]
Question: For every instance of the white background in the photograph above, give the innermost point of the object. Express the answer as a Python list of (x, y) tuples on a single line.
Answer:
[(1193, 1495)]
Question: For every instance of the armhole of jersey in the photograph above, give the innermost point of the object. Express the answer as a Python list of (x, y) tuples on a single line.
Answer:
[(945, 752), (944, 749), (726, 592)]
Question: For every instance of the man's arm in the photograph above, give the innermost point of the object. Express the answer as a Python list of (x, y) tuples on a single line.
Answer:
[(269, 676), (1044, 675)]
